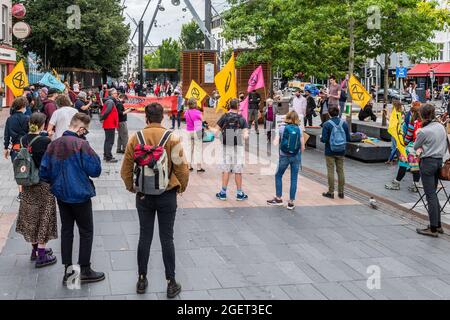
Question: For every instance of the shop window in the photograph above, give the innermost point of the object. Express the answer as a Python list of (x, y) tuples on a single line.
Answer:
[(4, 36), (440, 53)]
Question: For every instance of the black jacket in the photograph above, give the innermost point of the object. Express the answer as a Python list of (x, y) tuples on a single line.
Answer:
[(16, 127), (310, 106), (254, 99)]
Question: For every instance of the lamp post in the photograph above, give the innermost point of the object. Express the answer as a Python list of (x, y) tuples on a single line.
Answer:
[(432, 78)]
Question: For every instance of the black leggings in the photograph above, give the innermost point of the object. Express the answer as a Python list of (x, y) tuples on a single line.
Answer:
[(402, 172)]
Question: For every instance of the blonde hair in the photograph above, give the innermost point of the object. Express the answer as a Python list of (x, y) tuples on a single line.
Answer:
[(292, 118), (269, 102), (192, 103)]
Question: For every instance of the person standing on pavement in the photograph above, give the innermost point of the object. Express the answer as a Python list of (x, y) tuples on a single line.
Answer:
[(335, 131), (431, 145), (334, 93), (180, 105), (110, 119), (50, 105), (254, 99), (310, 108), (194, 126), (61, 118), (122, 131), (234, 131), (16, 127), (164, 205), (343, 97), (270, 112), (67, 166), (299, 104), (290, 134), (36, 220), (82, 104), (323, 105)]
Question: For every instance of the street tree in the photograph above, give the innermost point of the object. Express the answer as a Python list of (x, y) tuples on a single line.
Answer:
[(166, 56), (99, 43), (191, 37)]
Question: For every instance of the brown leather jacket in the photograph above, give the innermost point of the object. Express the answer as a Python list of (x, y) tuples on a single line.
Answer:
[(178, 168)]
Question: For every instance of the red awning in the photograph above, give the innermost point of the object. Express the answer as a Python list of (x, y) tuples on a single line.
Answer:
[(441, 69)]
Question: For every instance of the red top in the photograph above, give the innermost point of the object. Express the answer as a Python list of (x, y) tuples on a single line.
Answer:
[(112, 121)]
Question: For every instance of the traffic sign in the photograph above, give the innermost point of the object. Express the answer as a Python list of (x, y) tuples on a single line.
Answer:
[(401, 72)]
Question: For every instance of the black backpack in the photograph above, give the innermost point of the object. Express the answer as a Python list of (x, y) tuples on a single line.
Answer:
[(232, 128)]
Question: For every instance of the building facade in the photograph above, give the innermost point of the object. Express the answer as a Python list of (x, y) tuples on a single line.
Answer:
[(7, 52), (130, 67)]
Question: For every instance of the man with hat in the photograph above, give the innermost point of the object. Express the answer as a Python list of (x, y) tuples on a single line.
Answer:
[(310, 108), (82, 104), (50, 104)]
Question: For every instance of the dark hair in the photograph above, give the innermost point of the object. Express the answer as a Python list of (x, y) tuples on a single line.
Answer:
[(234, 104), (19, 103), (332, 77), (333, 111), (427, 113), (63, 101), (37, 120), (80, 117), (154, 113), (192, 103)]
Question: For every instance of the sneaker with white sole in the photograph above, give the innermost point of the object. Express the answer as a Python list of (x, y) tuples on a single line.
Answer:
[(241, 196), (291, 206), (275, 202)]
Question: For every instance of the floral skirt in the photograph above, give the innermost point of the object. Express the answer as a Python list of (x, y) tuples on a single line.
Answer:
[(412, 160), (37, 214)]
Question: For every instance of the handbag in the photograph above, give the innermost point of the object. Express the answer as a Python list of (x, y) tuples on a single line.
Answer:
[(444, 172)]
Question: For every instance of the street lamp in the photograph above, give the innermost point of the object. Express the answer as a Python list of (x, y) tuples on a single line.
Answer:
[(432, 78)]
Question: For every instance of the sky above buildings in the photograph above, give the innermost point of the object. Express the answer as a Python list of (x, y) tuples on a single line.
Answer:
[(169, 21)]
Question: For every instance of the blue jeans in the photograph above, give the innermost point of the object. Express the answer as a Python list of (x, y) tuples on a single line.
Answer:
[(393, 150), (176, 117), (283, 164)]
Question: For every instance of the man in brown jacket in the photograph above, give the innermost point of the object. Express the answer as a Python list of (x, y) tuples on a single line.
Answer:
[(164, 205)]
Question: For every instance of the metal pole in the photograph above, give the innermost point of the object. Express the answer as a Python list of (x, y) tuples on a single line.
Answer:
[(141, 52), (208, 19), (142, 17), (153, 21)]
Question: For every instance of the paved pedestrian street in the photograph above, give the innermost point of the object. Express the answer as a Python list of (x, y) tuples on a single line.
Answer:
[(324, 249)]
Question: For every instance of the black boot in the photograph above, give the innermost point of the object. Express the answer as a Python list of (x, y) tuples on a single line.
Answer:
[(142, 284), (88, 275), (67, 275), (173, 289)]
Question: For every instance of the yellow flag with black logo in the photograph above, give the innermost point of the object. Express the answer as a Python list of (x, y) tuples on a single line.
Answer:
[(17, 80), (396, 131), (195, 91), (359, 94), (226, 84)]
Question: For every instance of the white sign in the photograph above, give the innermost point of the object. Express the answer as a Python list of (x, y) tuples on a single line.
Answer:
[(7, 54), (209, 72), (21, 30)]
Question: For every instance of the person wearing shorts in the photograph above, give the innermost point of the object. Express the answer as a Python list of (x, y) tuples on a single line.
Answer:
[(234, 129)]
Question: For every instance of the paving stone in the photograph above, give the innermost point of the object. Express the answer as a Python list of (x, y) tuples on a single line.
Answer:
[(123, 260), (225, 294), (334, 291), (123, 282), (115, 242), (195, 295), (303, 292), (263, 293)]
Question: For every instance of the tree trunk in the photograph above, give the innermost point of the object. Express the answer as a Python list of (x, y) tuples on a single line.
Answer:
[(351, 65), (387, 62)]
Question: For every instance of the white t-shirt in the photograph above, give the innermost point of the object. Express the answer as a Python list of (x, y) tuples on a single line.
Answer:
[(61, 120), (299, 105)]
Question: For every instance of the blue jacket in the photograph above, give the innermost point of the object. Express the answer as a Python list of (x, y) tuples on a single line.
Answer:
[(68, 165), (15, 128), (326, 134)]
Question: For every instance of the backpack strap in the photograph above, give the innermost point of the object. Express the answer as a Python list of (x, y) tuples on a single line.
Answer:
[(29, 144), (140, 136), (165, 138)]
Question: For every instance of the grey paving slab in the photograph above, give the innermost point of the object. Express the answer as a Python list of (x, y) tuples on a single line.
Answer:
[(303, 292), (225, 294), (263, 293), (334, 291)]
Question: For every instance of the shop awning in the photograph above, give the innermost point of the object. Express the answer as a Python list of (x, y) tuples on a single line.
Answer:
[(441, 69)]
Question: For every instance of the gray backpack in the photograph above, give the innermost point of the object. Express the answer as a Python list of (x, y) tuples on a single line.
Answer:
[(26, 172)]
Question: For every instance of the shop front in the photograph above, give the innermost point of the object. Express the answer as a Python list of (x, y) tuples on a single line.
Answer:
[(7, 63), (430, 75)]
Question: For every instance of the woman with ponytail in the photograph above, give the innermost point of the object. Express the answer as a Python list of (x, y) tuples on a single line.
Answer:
[(37, 212)]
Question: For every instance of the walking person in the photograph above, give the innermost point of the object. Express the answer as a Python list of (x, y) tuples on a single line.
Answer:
[(194, 128), (270, 112), (61, 118), (310, 108), (122, 131), (335, 135), (254, 99), (163, 205), (180, 106), (68, 174), (110, 119), (431, 145), (36, 220), (16, 127), (292, 145), (234, 131)]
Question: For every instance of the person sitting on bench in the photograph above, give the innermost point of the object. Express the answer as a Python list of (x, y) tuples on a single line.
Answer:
[(366, 113)]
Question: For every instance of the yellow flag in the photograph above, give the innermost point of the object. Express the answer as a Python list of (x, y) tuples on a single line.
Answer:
[(195, 91), (226, 84), (359, 94), (396, 131), (17, 80)]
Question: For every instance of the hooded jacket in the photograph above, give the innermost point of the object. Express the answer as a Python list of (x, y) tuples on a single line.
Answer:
[(15, 128)]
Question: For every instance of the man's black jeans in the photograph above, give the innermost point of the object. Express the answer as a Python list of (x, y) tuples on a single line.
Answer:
[(109, 143), (165, 206), (429, 172), (81, 213)]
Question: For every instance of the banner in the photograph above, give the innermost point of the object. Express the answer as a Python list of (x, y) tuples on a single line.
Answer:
[(50, 81), (396, 131), (17, 80), (56, 74), (139, 103), (195, 91), (256, 80), (243, 108), (359, 94), (226, 84)]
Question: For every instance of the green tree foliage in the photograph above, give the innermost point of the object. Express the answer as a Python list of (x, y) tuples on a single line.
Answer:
[(166, 56), (100, 43), (191, 37)]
